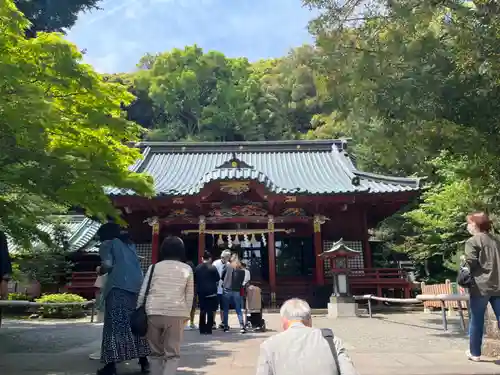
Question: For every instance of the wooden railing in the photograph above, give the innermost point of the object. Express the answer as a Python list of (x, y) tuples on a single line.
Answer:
[(82, 283), (373, 273)]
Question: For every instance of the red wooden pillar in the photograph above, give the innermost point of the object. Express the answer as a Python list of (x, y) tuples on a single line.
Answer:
[(271, 243), (318, 249), (201, 237), (155, 239), (367, 253)]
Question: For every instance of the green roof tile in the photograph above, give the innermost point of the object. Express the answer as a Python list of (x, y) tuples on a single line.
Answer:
[(80, 229), (284, 167)]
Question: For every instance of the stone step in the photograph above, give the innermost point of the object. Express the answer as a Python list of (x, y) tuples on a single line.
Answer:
[(491, 348)]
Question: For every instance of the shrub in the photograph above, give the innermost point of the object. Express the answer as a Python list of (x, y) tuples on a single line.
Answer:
[(61, 312), (18, 297), (17, 310)]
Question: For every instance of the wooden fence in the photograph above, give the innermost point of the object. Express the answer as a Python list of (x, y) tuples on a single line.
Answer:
[(447, 288)]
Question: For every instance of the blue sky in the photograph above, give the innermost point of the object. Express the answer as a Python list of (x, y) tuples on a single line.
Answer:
[(124, 30)]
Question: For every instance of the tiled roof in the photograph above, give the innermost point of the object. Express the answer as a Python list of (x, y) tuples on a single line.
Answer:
[(80, 230), (284, 167)]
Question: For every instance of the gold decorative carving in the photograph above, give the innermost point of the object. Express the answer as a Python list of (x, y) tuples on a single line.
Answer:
[(293, 212), (156, 228), (319, 220), (202, 225), (235, 187), (237, 210), (154, 223), (270, 223), (182, 212), (290, 199)]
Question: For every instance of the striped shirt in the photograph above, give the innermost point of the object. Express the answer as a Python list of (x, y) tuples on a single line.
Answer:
[(172, 289)]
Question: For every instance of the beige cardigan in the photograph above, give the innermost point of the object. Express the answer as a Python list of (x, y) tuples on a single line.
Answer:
[(172, 289)]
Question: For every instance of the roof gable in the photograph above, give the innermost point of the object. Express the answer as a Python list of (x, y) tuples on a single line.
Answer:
[(283, 167), (80, 231)]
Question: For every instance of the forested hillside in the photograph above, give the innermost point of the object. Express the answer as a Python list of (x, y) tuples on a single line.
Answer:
[(414, 83), (191, 94)]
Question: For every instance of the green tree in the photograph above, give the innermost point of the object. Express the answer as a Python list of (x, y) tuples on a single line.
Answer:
[(199, 96), (206, 96), (62, 132), (46, 263), (49, 15), (416, 83)]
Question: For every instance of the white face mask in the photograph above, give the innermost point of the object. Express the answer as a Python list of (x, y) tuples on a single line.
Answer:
[(471, 228)]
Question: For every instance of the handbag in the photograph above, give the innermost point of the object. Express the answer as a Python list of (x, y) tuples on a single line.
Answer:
[(139, 318), (464, 277)]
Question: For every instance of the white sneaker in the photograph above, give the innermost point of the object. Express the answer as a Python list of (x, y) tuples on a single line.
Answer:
[(95, 356), (471, 357)]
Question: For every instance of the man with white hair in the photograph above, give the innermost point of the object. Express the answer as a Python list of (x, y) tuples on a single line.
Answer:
[(221, 264), (301, 349)]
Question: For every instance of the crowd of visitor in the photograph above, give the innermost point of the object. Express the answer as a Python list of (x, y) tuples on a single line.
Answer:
[(177, 287), (172, 288)]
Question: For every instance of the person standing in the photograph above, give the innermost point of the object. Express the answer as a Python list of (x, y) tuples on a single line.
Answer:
[(482, 256), (5, 269), (233, 277), (207, 279), (246, 283), (221, 264), (247, 278), (120, 263), (192, 313), (168, 305), (5, 266), (99, 285)]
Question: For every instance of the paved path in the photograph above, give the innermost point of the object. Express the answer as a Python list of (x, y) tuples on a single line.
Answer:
[(402, 343)]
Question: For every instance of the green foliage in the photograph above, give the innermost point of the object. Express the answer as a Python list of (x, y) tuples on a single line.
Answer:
[(46, 263), (18, 297), (192, 95), (62, 312), (62, 132), (416, 84), (48, 15)]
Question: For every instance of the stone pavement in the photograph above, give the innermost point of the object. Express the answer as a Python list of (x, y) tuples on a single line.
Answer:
[(399, 343)]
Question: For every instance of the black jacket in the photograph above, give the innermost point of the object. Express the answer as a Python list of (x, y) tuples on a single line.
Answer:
[(206, 278), (233, 278), (5, 262)]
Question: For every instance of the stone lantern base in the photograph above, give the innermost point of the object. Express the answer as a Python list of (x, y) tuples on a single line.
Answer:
[(342, 307)]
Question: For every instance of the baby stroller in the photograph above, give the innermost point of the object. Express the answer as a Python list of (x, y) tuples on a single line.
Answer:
[(254, 319)]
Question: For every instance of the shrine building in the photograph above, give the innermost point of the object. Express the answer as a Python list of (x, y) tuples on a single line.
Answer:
[(278, 204)]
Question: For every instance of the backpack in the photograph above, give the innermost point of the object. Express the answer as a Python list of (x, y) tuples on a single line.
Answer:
[(328, 335)]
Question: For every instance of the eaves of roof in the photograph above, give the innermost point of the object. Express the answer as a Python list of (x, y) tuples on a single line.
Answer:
[(283, 167)]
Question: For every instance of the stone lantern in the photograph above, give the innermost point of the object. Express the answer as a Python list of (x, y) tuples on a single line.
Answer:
[(341, 301)]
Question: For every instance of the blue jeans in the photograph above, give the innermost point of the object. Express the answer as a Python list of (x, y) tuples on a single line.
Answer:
[(232, 297), (478, 307)]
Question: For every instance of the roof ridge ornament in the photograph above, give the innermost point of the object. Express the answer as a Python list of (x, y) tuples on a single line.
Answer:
[(234, 163)]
